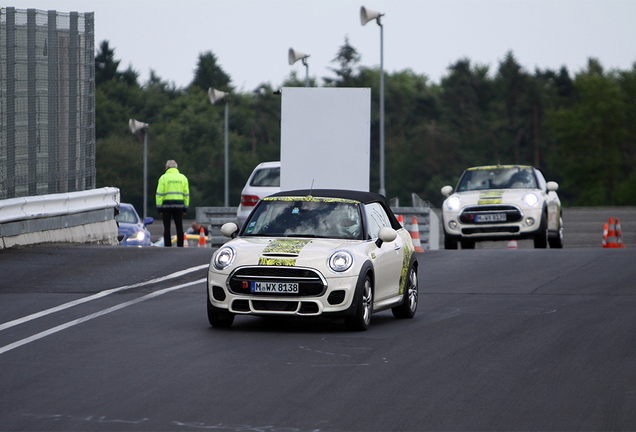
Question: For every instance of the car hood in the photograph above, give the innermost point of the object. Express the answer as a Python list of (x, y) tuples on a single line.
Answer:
[(493, 196), (286, 251), (129, 228)]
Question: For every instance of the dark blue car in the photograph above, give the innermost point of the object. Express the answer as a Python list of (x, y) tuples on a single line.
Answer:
[(132, 231)]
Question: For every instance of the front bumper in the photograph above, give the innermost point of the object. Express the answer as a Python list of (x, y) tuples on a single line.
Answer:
[(317, 295), (518, 224)]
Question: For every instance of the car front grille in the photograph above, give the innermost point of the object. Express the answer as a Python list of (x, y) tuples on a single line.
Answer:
[(310, 282), (275, 306), (513, 214), (491, 230), (289, 307)]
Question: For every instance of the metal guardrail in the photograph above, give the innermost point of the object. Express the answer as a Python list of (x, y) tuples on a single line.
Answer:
[(427, 221), (78, 217), (214, 218)]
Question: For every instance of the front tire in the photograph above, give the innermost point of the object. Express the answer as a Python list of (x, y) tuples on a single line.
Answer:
[(557, 242), (541, 237), (468, 244), (220, 318), (449, 242), (409, 305), (364, 300)]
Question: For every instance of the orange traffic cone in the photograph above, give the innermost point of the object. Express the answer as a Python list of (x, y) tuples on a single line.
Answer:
[(604, 235), (512, 244), (400, 220), (611, 235), (202, 238), (619, 235), (185, 240), (415, 236)]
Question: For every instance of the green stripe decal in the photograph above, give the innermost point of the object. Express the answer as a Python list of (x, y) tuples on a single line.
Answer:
[(277, 262), (285, 246), (309, 198), (490, 197)]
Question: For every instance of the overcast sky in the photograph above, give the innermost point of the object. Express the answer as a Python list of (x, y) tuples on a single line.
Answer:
[(251, 38)]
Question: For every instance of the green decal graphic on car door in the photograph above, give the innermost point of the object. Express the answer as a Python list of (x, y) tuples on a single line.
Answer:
[(408, 253)]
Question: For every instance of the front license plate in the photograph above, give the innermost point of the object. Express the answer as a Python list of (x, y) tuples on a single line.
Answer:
[(491, 217), (274, 287)]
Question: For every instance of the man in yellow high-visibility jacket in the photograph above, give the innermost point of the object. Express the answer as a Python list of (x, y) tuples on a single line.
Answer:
[(173, 199)]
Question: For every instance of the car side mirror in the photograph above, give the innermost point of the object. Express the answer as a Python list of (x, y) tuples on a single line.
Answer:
[(229, 229), (386, 235), (553, 186), (447, 190), (148, 221)]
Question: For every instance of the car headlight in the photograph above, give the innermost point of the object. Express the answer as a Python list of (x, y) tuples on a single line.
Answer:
[(340, 261), (453, 203), (530, 199), (224, 258), (139, 236)]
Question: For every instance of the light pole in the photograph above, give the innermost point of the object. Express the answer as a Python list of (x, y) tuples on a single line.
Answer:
[(367, 15), (215, 96), (136, 126), (294, 56)]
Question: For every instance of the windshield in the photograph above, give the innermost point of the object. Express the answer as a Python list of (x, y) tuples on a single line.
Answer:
[(302, 217), (497, 178), (126, 215)]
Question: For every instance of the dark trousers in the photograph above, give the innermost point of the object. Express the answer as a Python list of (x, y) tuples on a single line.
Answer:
[(177, 215)]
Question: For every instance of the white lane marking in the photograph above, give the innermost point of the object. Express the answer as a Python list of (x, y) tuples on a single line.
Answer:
[(101, 294), (69, 324)]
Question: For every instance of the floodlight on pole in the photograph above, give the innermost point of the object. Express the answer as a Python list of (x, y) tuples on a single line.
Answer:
[(219, 96), (367, 15), (137, 126), (293, 56)]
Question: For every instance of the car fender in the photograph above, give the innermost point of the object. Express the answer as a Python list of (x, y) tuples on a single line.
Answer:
[(366, 268)]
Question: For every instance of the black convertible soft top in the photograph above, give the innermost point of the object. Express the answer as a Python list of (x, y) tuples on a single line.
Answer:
[(363, 197)]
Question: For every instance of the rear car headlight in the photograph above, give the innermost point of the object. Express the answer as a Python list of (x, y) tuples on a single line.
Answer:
[(530, 199), (453, 203), (340, 261), (224, 258), (249, 200)]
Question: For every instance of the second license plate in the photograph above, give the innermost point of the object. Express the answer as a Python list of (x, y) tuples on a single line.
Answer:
[(491, 217)]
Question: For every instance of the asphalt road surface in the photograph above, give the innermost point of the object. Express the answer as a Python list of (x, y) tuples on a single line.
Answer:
[(105, 338)]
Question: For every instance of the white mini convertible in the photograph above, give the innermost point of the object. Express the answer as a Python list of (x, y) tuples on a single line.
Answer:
[(315, 253), (502, 202)]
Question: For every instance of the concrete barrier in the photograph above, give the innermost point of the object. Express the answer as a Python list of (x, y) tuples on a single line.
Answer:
[(74, 217)]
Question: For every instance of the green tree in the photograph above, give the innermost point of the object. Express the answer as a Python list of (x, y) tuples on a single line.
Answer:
[(105, 64), (347, 57), (209, 74), (582, 129), (512, 84), (590, 134)]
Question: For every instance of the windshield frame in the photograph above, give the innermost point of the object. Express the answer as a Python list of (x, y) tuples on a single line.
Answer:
[(127, 210), (283, 217), (497, 178)]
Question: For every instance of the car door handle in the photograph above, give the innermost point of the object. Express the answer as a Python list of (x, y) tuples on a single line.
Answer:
[(398, 247)]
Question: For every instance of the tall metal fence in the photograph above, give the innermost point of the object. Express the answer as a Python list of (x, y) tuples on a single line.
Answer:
[(47, 102)]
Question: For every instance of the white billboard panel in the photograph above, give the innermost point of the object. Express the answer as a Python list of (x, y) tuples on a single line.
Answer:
[(325, 138)]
